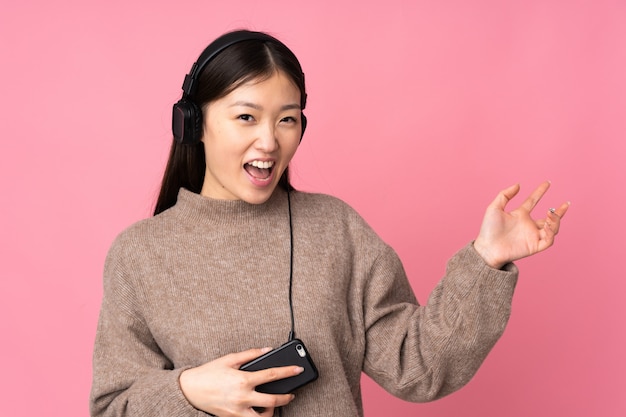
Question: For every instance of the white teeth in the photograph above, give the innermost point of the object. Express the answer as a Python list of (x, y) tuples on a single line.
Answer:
[(262, 164)]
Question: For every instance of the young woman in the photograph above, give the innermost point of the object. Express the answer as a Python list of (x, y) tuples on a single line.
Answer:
[(235, 259)]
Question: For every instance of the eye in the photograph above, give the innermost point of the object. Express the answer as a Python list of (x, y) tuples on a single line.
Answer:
[(245, 117), (288, 119)]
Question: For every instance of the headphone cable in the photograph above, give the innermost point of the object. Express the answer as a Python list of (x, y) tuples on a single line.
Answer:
[(292, 333)]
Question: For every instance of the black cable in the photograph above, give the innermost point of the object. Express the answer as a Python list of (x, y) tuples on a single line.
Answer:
[(292, 333)]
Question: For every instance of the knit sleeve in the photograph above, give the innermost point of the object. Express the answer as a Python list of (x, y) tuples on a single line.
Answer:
[(421, 353), (131, 376)]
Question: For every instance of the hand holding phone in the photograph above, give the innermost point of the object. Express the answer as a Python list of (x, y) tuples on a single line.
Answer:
[(291, 353), (216, 387)]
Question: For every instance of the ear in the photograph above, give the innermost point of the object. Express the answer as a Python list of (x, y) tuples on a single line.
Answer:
[(303, 122)]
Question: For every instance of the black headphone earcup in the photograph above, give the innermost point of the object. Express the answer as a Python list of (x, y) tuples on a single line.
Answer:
[(304, 122), (187, 122)]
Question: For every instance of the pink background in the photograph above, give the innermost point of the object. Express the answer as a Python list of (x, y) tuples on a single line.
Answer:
[(419, 113)]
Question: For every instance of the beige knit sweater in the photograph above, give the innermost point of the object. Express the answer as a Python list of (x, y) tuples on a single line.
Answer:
[(211, 277)]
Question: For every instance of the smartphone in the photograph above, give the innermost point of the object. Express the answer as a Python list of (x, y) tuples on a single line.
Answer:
[(291, 353)]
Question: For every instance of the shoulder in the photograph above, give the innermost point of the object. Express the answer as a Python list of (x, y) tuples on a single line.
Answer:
[(333, 216), (325, 206), (338, 233), (322, 203), (143, 236)]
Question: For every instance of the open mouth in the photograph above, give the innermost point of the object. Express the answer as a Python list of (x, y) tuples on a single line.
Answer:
[(261, 170)]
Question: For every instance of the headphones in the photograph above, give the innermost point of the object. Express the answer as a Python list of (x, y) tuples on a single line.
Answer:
[(187, 123)]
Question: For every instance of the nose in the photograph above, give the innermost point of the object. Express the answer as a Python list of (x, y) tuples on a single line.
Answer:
[(266, 140)]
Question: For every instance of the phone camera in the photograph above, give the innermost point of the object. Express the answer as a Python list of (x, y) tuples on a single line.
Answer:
[(301, 351)]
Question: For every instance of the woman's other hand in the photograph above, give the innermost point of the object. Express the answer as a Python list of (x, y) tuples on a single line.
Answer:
[(508, 236)]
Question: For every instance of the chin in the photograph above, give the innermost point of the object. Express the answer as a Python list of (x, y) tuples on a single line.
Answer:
[(258, 197)]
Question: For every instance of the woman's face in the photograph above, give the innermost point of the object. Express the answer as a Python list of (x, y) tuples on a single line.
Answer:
[(250, 136)]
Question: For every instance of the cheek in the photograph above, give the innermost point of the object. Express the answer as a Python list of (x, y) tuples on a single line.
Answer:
[(220, 147), (290, 146), (288, 154)]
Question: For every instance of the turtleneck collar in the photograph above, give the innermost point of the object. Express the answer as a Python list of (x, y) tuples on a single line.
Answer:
[(198, 208)]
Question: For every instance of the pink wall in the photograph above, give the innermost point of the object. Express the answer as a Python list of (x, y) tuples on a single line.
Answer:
[(419, 112)]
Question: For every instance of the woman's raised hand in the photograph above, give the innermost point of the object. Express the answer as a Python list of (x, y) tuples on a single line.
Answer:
[(508, 236), (220, 388)]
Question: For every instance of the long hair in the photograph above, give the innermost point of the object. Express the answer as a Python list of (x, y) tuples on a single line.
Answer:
[(239, 63)]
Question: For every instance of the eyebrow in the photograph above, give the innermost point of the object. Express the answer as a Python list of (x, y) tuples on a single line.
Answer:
[(258, 107)]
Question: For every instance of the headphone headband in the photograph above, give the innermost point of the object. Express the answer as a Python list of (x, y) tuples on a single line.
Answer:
[(214, 49)]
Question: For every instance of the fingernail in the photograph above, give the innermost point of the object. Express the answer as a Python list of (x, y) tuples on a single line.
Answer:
[(266, 349), (299, 370)]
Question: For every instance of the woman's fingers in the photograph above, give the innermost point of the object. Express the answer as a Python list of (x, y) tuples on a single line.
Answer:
[(264, 376), (529, 204), (235, 360), (505, 196), (553, 221), (562, 209), (262, 402)]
